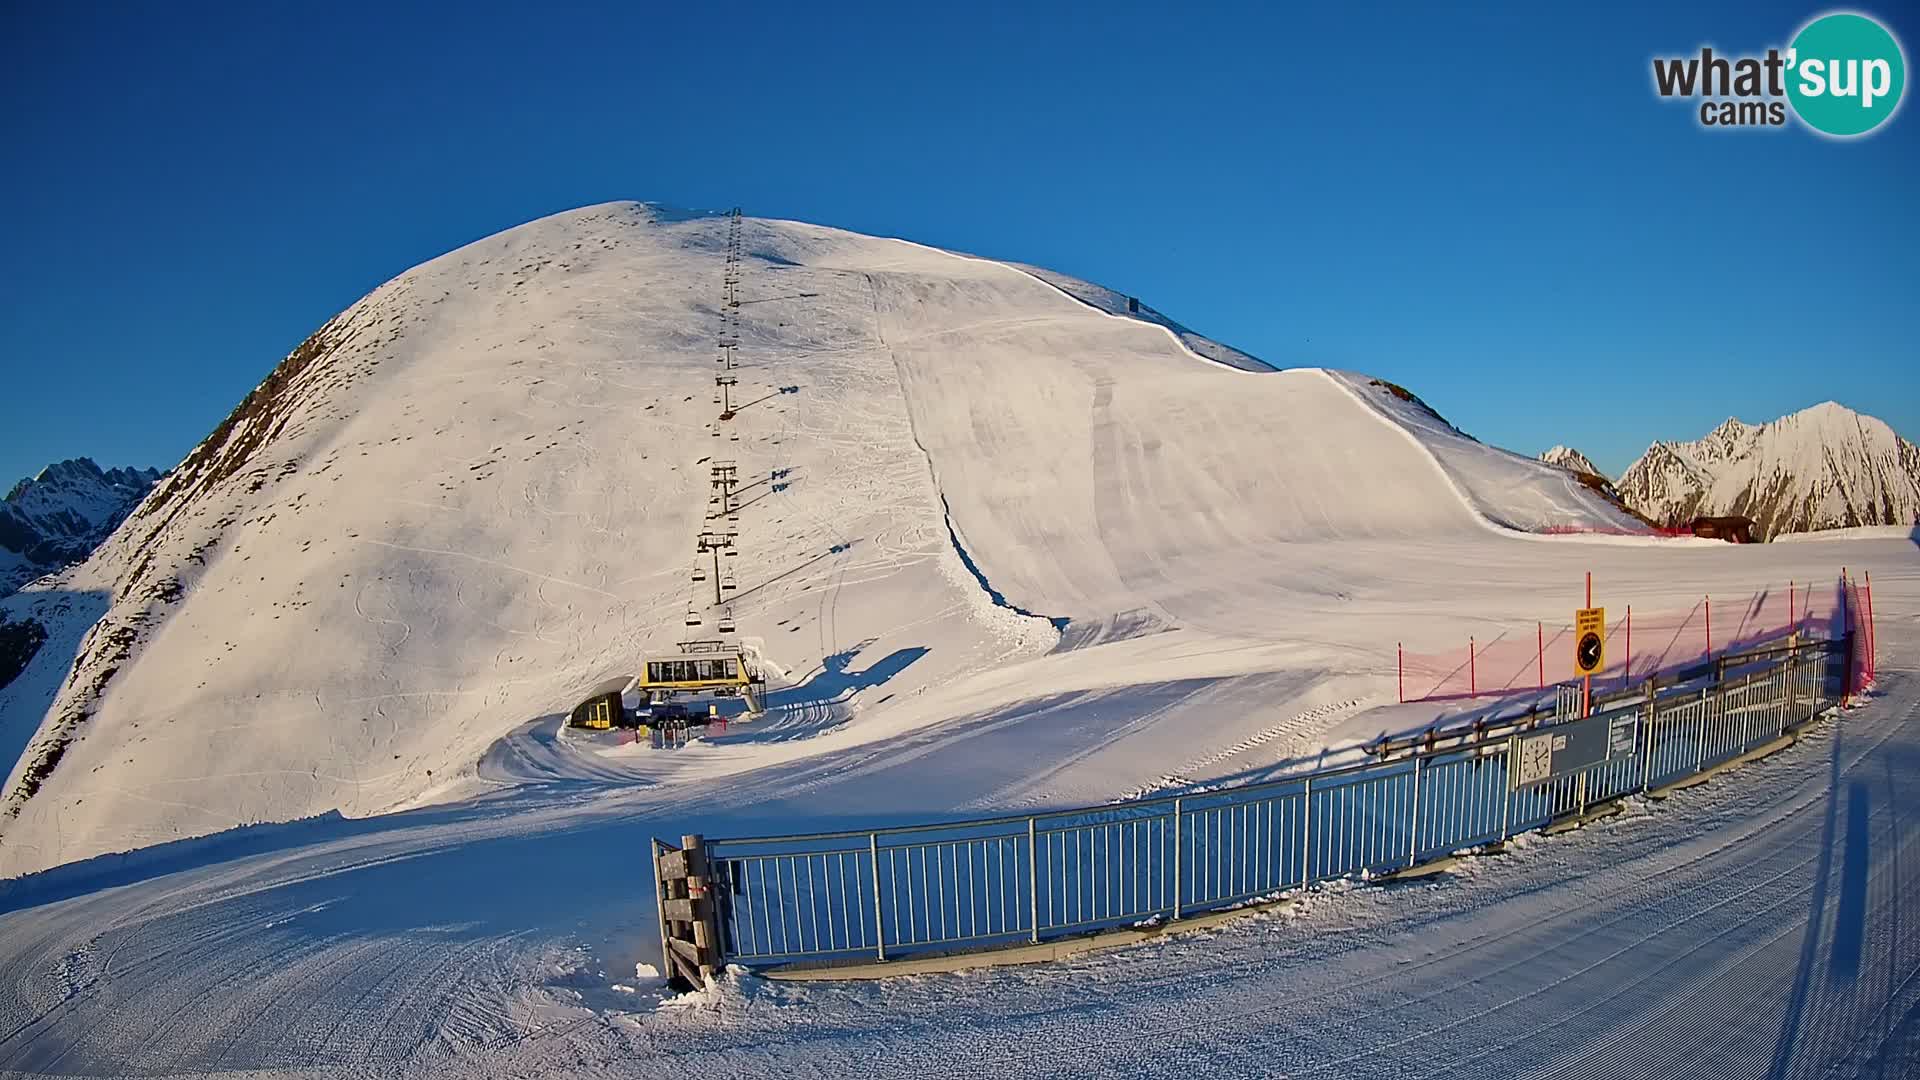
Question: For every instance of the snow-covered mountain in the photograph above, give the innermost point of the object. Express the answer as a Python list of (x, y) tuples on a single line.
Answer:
[(57, 518), (1820, 468), (475, 493), (1572, 460)]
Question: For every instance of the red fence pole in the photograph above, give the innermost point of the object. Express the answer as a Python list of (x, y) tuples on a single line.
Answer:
[(1709, 627), (1473, 679), (1790, 619), (1400, 656), (1540, 632), (1629, 667), (1586, 684)]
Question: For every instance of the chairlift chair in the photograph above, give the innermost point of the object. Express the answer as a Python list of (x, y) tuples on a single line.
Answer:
[(727, 583), (693, 616), (699, 572), (726, 621)]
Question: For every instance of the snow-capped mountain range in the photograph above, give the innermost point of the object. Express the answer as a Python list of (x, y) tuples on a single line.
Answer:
[(57, 518), (1820, 468)]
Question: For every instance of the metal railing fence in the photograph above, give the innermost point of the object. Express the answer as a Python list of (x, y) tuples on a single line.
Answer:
[(959, 886)]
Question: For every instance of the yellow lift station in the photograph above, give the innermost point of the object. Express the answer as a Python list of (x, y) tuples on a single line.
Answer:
[(703, 667)]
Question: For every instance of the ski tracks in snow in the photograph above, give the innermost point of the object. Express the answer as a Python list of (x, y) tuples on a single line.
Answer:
[(1299, 728)]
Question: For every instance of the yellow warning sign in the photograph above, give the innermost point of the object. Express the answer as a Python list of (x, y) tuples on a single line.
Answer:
[(1589, 641)]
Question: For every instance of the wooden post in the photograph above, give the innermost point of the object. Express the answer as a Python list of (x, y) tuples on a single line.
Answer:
[(706, 925), (689, 921), (660, 907)]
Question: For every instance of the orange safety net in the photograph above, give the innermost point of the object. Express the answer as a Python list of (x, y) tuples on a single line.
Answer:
[(1639, 644)]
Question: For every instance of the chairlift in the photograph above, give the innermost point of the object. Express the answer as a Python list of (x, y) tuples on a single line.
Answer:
[(726, 621), (699, 572), (693, 616), (727, 583)]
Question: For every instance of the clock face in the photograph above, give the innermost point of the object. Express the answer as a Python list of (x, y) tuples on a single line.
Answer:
[(1536, 760), (1588, 652)]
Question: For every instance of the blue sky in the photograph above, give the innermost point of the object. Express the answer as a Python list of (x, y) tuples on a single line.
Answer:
[(1491, 208)]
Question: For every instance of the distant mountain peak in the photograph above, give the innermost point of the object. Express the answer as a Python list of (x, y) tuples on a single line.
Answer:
[(60, 514), (1572, 460), (1825, 466)]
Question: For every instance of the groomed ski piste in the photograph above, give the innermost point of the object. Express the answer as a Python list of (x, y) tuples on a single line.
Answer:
[(1015, 548)]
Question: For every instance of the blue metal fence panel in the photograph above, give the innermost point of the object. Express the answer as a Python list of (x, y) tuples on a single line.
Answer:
[(993, 882)]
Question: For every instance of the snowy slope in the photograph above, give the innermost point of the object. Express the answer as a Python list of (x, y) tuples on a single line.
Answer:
[(474, 494), (1820, 468), (57, 517), (1571, 460), (1104, 299), (1505, 488)]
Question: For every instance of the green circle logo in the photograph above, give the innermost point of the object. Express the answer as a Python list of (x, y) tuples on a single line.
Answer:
[(1845, 74)]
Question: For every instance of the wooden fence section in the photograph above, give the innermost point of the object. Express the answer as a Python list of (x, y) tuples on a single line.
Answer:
[(689, 932)]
